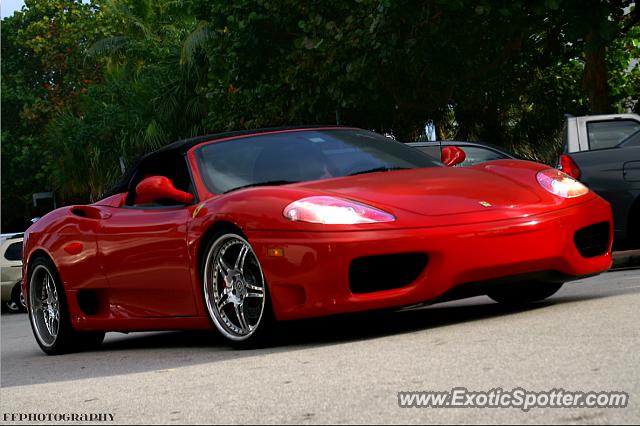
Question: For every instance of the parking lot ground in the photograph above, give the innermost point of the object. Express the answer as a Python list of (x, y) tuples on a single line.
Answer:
[(350, 369)]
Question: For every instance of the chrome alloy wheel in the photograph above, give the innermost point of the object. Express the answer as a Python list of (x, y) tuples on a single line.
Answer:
[(234, 287), (44, 305)]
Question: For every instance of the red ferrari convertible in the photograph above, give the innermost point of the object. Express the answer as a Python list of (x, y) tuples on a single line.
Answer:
[(238, 231)]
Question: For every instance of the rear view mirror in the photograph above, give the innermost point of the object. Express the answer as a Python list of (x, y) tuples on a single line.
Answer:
[(452, 155), (160, 188)]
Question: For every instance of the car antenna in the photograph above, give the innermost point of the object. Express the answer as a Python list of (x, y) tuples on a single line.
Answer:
[(432, 130)]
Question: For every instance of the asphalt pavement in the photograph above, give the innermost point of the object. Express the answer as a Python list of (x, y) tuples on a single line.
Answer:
[(349, 369)]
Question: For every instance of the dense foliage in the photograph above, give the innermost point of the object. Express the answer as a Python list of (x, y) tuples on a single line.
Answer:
[(88, 86)]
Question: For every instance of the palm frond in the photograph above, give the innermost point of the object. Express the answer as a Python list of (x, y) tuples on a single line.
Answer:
[(154, 135), (107, 45), (194, 41)]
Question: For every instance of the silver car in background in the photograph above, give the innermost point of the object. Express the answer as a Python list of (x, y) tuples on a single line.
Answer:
[(11, 273)]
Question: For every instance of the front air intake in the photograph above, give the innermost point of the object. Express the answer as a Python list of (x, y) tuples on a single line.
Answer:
[(386, 272), (593, 240)]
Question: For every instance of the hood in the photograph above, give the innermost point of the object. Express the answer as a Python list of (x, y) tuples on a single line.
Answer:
[(435, 191), (438, 196)]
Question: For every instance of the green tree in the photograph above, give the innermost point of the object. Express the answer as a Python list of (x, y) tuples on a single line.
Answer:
[(43, 73), (87, 85), (146, 99)]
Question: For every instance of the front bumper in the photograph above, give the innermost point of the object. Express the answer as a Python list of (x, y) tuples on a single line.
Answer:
[(312, 278)]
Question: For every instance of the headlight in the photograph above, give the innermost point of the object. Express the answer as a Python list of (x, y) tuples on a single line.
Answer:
[(561, 184), (334, 211)]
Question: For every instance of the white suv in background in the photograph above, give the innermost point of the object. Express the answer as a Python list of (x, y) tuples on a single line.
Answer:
[(593, 132)]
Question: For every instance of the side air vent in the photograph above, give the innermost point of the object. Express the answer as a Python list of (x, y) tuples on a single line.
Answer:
[(89, 301), (86, 212)]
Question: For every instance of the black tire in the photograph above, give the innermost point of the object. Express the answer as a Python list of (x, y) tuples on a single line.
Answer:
[(60, 338), (11, 306), (633, 227), (89, 341), (18, 302), (262, 328), (523, 293)]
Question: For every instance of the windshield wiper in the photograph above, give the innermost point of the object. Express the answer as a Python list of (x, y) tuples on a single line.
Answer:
[(378, 169), (269, 183)]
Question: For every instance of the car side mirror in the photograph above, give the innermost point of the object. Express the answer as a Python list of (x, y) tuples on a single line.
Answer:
[(157, 188), (452, 155)]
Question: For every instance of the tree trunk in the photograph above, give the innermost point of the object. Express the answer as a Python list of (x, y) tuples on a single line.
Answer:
[(596, 76)]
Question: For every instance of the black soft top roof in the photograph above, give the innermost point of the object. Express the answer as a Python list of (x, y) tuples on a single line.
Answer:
[(181, 147), (184, 145)]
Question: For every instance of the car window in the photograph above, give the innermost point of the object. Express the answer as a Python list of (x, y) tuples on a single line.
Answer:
[(633, 140), (301, 156), (477, 155), (608, 134), (433, 151), (14, 252)]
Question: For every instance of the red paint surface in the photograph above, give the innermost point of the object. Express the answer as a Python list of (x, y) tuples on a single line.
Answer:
[(144, 263), (73, 248)]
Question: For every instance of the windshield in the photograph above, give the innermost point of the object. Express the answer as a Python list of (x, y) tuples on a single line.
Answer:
[(297, 156)]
